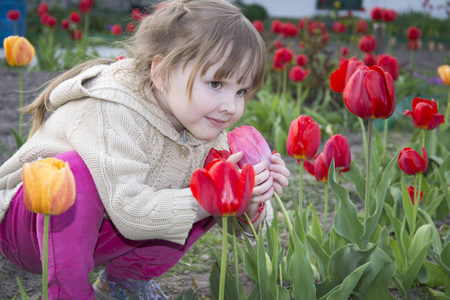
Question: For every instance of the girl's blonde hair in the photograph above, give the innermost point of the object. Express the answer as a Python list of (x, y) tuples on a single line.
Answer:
[(180, 31)]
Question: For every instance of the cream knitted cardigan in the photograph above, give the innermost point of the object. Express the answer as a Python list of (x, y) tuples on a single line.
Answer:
[(140, 164)]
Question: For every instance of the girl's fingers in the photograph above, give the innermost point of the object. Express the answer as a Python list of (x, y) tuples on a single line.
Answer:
[(236, 157), (261, 177), (281, 179), (263, 187), (264, 197)]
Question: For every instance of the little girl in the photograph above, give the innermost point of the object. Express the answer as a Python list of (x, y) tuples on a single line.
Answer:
[(133, 132)]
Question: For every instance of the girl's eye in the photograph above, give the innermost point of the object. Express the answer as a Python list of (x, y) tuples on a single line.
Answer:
[(242, 92), (215, 84)]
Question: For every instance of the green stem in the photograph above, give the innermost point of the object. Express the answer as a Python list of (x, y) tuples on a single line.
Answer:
[(284, 83), (386, 121), (447, 115), (300, 194), (411, 57), (224, 258), (284, 212), (236, 262), (367, 193), (299, 96), (416, 203), (439, 261), (363, 132), (20, 102), (45, 258), (251, 226), (413, 226), (325, 210)]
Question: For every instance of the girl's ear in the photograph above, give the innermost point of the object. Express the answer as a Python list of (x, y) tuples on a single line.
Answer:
[(158, 77)]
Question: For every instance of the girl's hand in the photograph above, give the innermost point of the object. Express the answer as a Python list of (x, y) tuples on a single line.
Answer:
[(279, 173)]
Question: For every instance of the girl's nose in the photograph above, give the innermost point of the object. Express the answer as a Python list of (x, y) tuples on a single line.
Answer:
[(228, 105)]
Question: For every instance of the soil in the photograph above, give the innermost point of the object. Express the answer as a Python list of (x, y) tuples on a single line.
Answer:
[(172, 284)]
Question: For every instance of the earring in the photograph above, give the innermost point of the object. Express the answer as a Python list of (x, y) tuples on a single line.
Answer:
[(162, 90)]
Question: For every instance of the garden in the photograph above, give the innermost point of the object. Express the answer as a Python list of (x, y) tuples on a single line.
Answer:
[(358, 108)]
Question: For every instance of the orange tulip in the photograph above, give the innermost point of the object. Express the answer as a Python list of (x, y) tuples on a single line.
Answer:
[(444, 74), (48, 185), (19, 51)]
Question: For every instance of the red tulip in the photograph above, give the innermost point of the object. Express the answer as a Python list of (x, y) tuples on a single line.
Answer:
[(425, 114), (303, 138), (65, 24), (344, 51), (251, 142), (390, 15), (75, 17), (131, 27), (215, 154), (370, 93), (369, 59), (414, 33), (413, 45), (377, 13), (276, 26), (410, 162), (136, 14), (367, 43), (297, 74), (338, 27), (362, 27), (86, 6), (289, 30), (282, 58), (319, 169), (42, 9), (388, 64), (301, 59), (337, 148), (412, 194), (116, 29), (303, 23), (340, 77), (13, 15), (259, 26), (76, 35), (221, 189)]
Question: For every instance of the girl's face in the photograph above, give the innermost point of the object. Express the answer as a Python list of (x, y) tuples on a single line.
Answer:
[(214, 106)]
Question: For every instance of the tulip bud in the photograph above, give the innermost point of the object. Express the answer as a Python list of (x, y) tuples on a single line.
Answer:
[(337, 148), (251, 142), (48, 186), (425, 114), (303, 138), (18, 50), (410, 162), (444, 74)]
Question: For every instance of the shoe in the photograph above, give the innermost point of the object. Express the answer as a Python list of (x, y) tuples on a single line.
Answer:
[(127, 289)]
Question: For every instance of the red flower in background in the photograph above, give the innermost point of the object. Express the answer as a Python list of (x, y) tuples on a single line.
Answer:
[(377, 13), (276, 26), (369, 59), (65, 24), (362, 27), (278, 44), (338, 27), (86, 6), (298, 74), (130, 27), (390, 15), (303, 23), (410, 162), (340, 77), (301, 59), (370, 93), (42, 9), (412, 194), (389, 64), (48, 20), (259, 26), (216, 154), (337, 148), (289, 30), (367, 43), (319, 169), (75, 17), (414, 33), (116, 29), (282, 58), (13, 15), (303, 138), (136, 14), (413, 45), (76, 35), (344, 51), (425, 114), (251, 142), (221, 189)]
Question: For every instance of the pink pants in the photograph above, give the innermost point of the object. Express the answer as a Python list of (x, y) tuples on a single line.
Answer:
[(81, 239)]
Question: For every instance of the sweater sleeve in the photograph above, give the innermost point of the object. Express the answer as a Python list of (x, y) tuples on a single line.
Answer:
[(121, 153)]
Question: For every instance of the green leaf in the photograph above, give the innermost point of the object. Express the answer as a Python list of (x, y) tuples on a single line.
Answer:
[(407, 205), (322, 257), (301, 273), (263, 275), (441, 174), (22, 290), (316, 229), (230, 293), (438, 295), (343, 290), (414, 267), (323, 288), (437, 275), (423, 236), (354, 175), (425, 217), (19, 140), (372, 221), (346, 221)]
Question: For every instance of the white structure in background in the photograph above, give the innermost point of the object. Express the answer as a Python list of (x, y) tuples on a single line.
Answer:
[(307, 8)]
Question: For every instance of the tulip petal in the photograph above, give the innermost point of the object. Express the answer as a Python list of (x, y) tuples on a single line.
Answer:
[(204, 191), (8, 44), (61, 191), (375, 81), (245, 189), (23, 52)]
